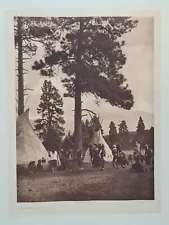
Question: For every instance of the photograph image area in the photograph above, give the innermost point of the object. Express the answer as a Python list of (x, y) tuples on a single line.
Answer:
[(84, 108)]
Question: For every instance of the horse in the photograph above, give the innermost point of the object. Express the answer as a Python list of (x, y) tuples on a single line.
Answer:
[(120, 160)]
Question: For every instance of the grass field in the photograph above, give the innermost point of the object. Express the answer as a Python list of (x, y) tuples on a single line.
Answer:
[(89, 184)]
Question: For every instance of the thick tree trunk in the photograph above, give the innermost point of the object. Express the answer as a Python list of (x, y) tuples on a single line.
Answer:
[(78, 108), (78, 117), (20, 70)]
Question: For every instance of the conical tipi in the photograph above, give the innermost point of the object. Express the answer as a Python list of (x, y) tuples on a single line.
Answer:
[(98, 139), (28, 146)]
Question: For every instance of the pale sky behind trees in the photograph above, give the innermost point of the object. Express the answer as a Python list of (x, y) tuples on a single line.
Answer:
[(139, 72)]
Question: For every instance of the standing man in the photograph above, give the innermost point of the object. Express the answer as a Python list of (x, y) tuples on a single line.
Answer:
[(102, 155), (115, 155), (148, 155), (138, 146), (53, 161), (118, 149), (70, 159), (95, 156), (91, 153), (79, 159)]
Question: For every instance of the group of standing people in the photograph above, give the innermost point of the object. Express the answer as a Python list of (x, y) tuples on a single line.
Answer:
[(140, 158), (33, 167), (58, 160), (63, 159)]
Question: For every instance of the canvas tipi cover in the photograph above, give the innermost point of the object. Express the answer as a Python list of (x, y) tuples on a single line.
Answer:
[(98, 139), (28, 146)]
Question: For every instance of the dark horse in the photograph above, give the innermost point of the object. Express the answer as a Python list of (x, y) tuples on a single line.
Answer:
[(120, 160)]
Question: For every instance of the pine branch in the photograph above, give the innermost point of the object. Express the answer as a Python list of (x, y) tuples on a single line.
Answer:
[(88, 110), (28, 89), (26, 101), (26, 58), (35, 40), (26, 52), (84, 115)]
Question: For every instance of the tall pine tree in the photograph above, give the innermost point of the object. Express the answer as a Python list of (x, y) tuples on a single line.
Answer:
[(123, 134), (141, 131), (112, 133), (90, 53), (50, 124), (140, 126), (28, 33)]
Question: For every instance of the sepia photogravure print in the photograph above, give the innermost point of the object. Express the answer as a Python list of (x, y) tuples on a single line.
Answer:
[(84, 108)]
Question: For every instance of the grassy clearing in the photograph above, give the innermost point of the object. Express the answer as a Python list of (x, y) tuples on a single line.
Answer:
[(110, 184)]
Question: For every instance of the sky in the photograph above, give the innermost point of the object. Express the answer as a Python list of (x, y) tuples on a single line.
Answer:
[(138, 71)]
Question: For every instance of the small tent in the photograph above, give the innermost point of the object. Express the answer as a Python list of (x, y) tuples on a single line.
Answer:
[(28, 146), (98, 139)]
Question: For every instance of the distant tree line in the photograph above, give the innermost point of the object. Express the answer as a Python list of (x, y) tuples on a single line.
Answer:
[(127, 138), (122, 136)]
